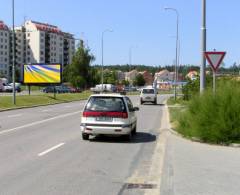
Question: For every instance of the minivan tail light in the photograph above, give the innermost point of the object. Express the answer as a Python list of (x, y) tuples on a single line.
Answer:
[(105, 114), (125, 115)]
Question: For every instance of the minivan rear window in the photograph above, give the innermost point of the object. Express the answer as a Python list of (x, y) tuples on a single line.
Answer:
[(148, 91), (107, 104)]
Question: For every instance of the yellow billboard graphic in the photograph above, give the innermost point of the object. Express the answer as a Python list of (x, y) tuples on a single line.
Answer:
[(42, 73)]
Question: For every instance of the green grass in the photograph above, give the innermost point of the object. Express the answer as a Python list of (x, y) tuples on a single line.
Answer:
[(176, 108), (208, 117), (33, 87), (44, 99)]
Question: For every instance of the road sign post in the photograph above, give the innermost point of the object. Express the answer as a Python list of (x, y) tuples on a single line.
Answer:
[(214, 82), (214, 58)]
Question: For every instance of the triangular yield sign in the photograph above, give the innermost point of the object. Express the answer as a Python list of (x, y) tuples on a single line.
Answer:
[(215, 58)]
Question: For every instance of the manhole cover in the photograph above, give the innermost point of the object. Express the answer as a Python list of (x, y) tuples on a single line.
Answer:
[(140, 186)]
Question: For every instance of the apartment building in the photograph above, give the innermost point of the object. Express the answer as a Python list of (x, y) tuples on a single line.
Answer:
[(43, 43), (4, 50), (20, 47), (130, 76), (35, 42), (148, 78)]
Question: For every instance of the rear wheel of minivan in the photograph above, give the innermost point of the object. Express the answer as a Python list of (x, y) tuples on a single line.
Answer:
[(85, 136), (134, 131), (128, 137)]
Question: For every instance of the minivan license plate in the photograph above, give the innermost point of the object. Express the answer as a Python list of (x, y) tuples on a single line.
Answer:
[(106, 119)]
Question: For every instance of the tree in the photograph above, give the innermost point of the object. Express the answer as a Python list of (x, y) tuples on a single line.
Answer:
[(110, 77), (79, 72), (139, 80), (125, 82)]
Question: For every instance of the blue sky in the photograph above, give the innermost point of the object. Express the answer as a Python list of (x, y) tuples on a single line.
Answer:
[(141, 24)]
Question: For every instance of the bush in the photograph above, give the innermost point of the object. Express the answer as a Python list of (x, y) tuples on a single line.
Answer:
[(192, 87), (214, 119)]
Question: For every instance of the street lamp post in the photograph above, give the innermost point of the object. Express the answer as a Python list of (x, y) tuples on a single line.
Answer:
[(13, 59), (107, 30), (130, 58), (176, 61), (204, 34)]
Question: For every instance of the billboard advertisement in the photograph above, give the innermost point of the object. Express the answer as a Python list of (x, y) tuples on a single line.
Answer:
[(42, 73)]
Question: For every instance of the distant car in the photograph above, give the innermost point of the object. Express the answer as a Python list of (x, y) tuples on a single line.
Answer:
[(103, 87), (109, 114), (57, 89), (48, 89), (9, 87), (130, 88), (74, 89), (148, 95)]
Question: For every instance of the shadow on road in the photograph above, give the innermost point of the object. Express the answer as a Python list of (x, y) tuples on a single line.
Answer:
[(150, 104), (140, 137)]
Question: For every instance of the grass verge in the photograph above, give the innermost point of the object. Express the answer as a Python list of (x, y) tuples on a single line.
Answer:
[(210, 118), (176, 108), (44, 99)]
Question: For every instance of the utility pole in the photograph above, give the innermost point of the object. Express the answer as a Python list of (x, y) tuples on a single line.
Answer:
[(176, 57), (13, 58), (204, 33)]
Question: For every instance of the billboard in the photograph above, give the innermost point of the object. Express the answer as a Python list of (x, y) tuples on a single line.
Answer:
[(42, 73)]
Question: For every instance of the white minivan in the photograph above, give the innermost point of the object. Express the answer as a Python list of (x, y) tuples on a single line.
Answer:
[(109, 114), (148, 95)]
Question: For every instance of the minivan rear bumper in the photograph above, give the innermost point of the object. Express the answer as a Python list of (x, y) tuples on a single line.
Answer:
[(106, 129)]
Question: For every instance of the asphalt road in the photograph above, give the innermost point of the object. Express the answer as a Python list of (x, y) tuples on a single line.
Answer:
[(42, 152)]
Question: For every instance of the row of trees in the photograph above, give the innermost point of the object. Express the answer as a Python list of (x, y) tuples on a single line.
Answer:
[(81, 74)]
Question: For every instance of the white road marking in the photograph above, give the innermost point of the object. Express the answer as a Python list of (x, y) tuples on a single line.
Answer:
[(15, 115), (47, 110), (38, 122), (51, 149)]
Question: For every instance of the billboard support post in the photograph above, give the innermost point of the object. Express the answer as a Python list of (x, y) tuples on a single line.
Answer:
[(54, 92), (29, 89)]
